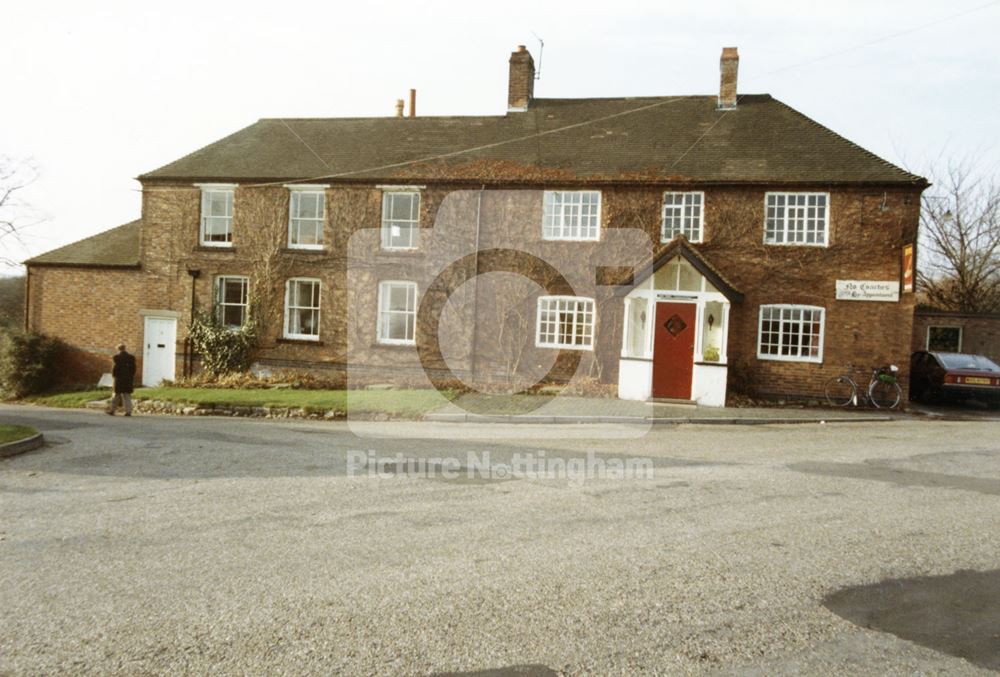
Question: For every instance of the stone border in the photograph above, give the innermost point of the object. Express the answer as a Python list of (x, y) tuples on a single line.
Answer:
[(647, 420), (161, 407), (21, 446)]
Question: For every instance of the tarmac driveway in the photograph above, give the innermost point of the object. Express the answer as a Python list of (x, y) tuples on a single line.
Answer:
[(160, 544)]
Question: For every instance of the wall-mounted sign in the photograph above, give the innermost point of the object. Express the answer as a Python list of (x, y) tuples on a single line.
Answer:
[(908, 269), (867, 290)]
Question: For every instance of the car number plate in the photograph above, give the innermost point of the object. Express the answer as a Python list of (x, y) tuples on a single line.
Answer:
[(976, 380)]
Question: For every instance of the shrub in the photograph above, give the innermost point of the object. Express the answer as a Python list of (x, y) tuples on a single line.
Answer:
[(27, 362), (742, 379), (223, 350)]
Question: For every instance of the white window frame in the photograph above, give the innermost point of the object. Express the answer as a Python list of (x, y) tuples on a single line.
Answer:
[(555, 216), (927, 338), (382, 325), (220, 302), (288, 307), (387, 223), (782, 307), (684, 230), (206, 190), (784, 229), (319, 222), (583, 302)]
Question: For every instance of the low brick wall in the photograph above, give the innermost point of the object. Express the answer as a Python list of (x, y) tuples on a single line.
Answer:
[(980, 333)]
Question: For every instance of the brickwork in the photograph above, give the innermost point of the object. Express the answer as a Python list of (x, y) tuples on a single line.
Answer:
[(728, 68), (980, 333), (867, 229), (521, 84), (91, 310)]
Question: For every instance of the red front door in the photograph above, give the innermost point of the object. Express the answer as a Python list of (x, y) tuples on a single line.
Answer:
[(673, 350)]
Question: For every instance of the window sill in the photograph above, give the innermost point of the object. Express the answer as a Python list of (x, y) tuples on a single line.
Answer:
[(703, 363), (798, 360), (215, 248), (552, 346), (300, 341), (304, 250), (570, 239), (401, 252), (817, 245), (394, 346)]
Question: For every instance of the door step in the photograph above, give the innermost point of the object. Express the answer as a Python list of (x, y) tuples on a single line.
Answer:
[(673, 402)]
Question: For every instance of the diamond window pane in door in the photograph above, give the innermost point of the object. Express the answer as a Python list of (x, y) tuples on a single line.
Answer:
[(675, 325)]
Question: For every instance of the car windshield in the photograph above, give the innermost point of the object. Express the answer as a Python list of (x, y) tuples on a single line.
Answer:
[(961, 361)]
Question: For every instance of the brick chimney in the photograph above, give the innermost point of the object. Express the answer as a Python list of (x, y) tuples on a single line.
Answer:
[(521, 86), (728, 66)]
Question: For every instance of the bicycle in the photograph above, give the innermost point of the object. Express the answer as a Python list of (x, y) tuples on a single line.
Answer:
[(883, 389)]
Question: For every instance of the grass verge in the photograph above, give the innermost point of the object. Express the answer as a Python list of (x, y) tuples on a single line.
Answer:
[(402, 403), (13, 433)]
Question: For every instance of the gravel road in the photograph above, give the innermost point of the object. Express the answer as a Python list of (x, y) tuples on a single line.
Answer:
[(189, 545)]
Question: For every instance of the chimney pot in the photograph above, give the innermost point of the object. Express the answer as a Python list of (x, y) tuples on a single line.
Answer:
[(413, 103), (521, 84), (399, 108), (729, 65)]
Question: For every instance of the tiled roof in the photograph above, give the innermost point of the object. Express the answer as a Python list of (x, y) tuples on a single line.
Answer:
[(557, 140), (115, 248)]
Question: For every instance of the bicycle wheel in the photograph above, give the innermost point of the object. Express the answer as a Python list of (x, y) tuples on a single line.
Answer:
[(839, 391), (884, 395)]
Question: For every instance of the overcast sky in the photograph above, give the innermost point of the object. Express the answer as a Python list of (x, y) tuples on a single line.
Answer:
[(97, 93)]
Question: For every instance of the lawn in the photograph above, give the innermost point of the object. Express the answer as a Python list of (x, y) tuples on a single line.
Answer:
[(13, 433), (404, 403)]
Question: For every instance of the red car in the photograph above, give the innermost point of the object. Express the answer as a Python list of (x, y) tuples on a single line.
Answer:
[(956, 376)]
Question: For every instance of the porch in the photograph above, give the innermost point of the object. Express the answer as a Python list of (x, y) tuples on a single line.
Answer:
[(676, 330)]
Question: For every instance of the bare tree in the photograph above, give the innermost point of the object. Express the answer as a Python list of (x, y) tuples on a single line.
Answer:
[(15, 214), (959, 264)]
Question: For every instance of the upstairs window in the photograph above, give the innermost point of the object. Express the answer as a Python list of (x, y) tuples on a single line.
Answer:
[(682, 215), (232, 300), (796, 218), (565, 322), (217, 215), (400, 219), (307, 213), (571, 215), (792, 333), (397, 312), (302, 309)]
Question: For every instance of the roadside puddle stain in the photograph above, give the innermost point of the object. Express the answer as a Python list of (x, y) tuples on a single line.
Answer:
[(901, 477), (512, 671), (957, 614)]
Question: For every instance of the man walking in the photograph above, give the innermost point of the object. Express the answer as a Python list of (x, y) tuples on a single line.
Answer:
[(124, 375)]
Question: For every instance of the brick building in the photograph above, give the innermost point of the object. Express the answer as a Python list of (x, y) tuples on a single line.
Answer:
[(679, 247), (956, 332)]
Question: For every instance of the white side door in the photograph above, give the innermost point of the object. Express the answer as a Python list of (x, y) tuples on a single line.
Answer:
[(159, 350)]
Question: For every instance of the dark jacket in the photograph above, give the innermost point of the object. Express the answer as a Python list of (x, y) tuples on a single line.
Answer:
[(124, 372)]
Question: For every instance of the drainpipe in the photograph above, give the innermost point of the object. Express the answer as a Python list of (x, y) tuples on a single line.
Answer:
[(27, 298), (475, 299), (188, 351)]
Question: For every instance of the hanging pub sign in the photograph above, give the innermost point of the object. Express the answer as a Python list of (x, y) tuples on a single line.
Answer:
[(867, 290), (908, 269)]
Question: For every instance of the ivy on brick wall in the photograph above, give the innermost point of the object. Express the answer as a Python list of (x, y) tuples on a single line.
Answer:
[(223, 350)]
